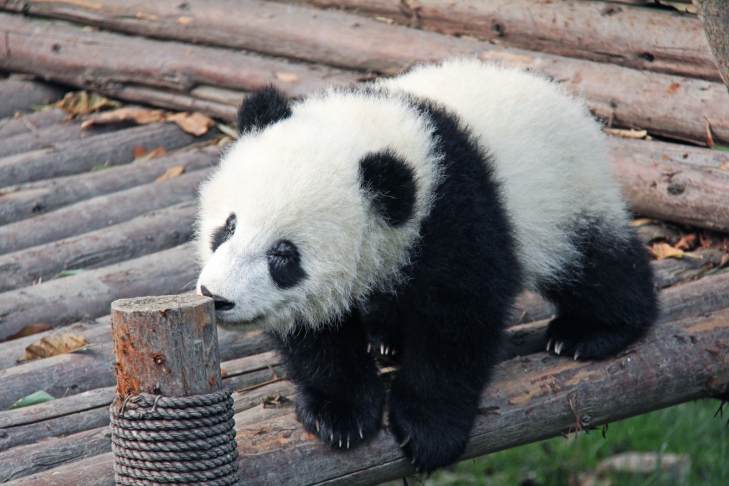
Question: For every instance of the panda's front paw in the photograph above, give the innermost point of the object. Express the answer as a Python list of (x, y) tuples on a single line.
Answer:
[(431, 434), (340, 422)]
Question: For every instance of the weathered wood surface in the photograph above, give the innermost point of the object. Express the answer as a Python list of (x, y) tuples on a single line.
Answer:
[(530, 398), (18, 95), (675, 191), (27, 200), (149, 233), (70, 54), (98, 151), (678, 303), (714, 14), (88, 294), (46, 137), (643, 39), (30, 122), (669, 105), (165, 345), (99, 212)]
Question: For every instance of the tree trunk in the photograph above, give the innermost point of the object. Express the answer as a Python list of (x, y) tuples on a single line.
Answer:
[(715, 16)]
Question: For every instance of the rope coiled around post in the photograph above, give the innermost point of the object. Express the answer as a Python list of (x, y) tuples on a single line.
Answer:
[(174, 440)]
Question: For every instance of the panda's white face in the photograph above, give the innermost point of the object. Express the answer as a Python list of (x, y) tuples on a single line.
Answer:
[(286, 232)]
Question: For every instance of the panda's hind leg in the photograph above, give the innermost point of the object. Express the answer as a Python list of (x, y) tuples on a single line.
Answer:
[(606, 300)]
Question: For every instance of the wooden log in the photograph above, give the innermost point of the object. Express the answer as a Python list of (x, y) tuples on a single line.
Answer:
[(30, 122), (530, 398), (99, 212), (88, 294), (336, 38), (714, 14), (44, 137), (165, 345), (64, 52), (99, 151), (23, 201), (17, 95), (681, 302), (678, 192), (149, 233), (599, 31)]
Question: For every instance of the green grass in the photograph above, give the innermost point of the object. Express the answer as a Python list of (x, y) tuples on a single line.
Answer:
[(689, 429)]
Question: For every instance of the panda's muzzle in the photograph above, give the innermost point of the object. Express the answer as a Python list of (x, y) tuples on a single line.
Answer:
[(221, 304)]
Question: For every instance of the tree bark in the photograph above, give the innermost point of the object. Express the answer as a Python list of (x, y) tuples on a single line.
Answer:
[(715, 16), (17, 95), (99, 212), (672, 106), (600, 31), (31, 122), (98, 151), (529, 398), (28, 200)]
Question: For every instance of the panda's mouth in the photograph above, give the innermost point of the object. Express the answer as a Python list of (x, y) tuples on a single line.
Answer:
[(221, 315)]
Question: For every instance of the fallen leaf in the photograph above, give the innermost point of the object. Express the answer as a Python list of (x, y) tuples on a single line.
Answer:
[(184, 20), (228, 130), (687, 242), (673, 88), (663, 250), (30, 329), (81, 103), (709, 135), (679, 6), (193, 123), (152, 154), (287, 77), (136, 114), (626, 133), (138, 151), (53, 345), (34, 398), (641, 222), (174, 171)]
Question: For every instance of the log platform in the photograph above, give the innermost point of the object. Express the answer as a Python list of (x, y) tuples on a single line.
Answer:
[(92, 214)]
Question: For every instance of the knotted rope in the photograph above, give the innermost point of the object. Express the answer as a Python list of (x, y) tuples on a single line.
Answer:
[(174, 440)]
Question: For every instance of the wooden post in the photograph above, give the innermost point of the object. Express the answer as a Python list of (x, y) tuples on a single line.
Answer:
[(166, 345)]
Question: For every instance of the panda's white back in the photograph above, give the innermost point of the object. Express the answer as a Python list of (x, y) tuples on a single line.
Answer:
[(548, 152)]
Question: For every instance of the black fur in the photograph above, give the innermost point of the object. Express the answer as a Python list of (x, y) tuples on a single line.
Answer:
[(445, 321), (262, 108), (606, 300), (390, 182), (222, 234), (284, 264)]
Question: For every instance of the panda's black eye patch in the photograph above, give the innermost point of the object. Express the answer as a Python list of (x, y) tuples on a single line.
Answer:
[(223, 234), (284, 264)]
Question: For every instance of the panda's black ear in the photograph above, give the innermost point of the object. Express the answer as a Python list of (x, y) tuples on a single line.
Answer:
[(390, 185), (262, 108)]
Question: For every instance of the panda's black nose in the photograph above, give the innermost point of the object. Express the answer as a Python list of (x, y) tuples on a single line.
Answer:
[(220, 302)]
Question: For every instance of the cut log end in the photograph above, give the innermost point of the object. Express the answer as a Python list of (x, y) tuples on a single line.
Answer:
[(166, 345)]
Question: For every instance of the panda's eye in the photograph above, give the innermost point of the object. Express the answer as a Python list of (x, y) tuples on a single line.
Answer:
[(223, 233), (284, 264)]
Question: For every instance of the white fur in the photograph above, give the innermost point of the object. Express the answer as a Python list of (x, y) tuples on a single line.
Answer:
[(298, 180), (550, 155)]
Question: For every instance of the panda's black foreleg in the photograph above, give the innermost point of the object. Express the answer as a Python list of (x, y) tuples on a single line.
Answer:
[(607, 302), (445, 364), (382, 322), (340, 397)]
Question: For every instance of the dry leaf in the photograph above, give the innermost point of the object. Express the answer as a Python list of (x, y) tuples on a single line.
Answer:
[(30, 329), (152, 154), (138, 151), (687, 242), (54, 345), (82, 103), (184, 20), (228, 130), (629, 133), (673, 88), (724, 166), (679, 6), (663, 250), (174, 171), (709, 135), (193, 123), (136, 114), (641, 222), (287, 77)]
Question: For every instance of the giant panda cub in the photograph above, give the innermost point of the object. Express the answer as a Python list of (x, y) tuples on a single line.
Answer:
[(404, 216)]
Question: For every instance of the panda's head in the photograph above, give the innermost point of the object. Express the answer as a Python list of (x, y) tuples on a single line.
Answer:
[(317, 204)]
